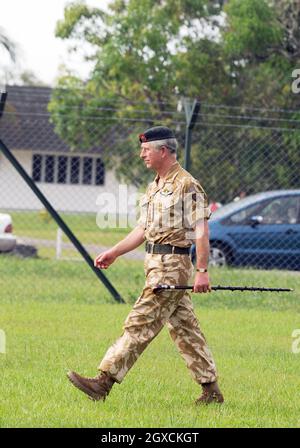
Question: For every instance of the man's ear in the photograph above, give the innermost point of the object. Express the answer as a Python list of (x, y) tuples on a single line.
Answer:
[(164, 150)]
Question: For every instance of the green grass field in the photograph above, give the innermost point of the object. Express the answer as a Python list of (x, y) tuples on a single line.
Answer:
[(41, 225), (38, 225), (57, 316)]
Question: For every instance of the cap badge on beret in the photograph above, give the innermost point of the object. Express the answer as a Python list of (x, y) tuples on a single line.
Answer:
[(142, 138)]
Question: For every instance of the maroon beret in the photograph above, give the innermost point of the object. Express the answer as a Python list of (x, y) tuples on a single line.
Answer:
[(156, 133)]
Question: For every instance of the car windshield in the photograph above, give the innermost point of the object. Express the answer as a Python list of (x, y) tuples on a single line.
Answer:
[(235, 206)]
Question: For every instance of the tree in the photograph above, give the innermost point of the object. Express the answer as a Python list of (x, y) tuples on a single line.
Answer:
[(9, 50), (149, 53), (142, 54), (262, 40), (8, 45), (13, 73)]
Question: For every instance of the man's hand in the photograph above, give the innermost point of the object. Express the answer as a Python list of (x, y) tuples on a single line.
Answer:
[(130, 242), (202, 283), (105, 259)]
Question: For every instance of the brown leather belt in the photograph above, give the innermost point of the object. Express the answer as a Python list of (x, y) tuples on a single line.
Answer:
[(166, 249)]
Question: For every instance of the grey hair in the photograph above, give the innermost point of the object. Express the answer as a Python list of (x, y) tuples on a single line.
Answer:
[(170, 143)]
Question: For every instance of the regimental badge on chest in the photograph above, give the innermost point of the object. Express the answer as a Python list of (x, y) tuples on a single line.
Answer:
[(167, 190)]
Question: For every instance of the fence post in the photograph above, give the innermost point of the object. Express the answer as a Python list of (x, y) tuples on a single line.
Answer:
[(58, 243), (191, 114), (8, 154), (2, 341), (3, 96)]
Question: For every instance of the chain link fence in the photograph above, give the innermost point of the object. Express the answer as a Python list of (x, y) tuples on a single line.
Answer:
[(88, 167), (251, 167)]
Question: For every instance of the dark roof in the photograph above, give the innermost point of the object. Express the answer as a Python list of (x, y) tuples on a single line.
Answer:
[(26, 125)]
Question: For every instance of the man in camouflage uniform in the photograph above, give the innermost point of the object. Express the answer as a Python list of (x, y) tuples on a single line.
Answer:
[(174, 212)]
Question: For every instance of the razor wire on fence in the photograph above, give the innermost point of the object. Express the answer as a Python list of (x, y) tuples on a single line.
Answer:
[(86, 162)]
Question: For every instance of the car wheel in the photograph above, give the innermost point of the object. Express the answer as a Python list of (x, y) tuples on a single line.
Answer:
[(220, 256)]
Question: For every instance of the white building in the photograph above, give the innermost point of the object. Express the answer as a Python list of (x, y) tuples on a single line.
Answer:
[(71, 181)]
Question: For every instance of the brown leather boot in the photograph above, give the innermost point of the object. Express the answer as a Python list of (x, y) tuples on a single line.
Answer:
[(211, 394), (96, 388)]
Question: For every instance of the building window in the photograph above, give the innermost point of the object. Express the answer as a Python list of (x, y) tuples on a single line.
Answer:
[(87, 170), (75, 170), (37, 167), (49, 169), (62, 169), (99, 172), (68, 169)]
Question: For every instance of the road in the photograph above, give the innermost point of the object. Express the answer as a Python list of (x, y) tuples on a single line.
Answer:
[(90, 248)]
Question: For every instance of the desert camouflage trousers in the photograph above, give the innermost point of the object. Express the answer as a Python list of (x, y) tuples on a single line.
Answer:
[(152, 311)]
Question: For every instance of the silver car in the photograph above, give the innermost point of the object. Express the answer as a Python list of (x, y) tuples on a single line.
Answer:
[(7, 239)]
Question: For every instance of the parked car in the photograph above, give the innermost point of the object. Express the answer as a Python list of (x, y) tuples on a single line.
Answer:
[(7, 239), (260, 230)]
